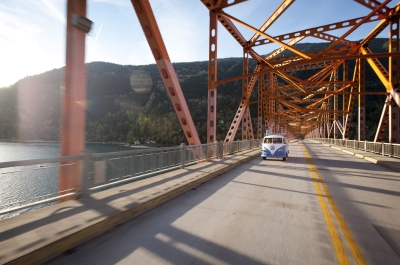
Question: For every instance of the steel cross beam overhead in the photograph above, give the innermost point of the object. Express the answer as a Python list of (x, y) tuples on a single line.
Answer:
[(304, 92)]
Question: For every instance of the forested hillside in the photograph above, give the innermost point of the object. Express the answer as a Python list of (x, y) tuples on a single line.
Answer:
[(129, 103)]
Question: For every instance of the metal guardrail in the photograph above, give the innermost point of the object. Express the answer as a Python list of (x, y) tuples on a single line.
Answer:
[(38, 179), (386, 149)]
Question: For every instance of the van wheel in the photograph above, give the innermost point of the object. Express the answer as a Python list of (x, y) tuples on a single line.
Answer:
[(264, 158), (284, 159)]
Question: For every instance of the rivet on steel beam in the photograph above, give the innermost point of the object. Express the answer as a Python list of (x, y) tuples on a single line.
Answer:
[(147, 32), (156, 54), (171, 91), (164, 73), (137, 6)]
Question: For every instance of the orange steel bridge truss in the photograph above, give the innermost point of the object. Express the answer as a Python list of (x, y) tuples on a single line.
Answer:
[(285, 103), (294, 106)]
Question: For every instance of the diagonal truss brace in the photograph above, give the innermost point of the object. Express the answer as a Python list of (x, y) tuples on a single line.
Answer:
[(153, 35)]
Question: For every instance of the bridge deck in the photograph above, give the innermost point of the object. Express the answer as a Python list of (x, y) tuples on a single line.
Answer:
[(261, 212), (38, 235)]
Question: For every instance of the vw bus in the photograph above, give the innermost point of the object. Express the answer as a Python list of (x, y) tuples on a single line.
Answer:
[(275, 146)]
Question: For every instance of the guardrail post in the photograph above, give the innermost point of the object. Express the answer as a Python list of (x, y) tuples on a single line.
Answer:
[(221, 149), (85, 164), (183, 155)]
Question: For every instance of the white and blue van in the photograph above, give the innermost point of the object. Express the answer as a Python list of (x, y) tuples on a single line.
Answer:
[(275, 146)]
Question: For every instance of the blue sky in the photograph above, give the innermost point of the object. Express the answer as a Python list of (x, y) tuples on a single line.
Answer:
[(32, 32)]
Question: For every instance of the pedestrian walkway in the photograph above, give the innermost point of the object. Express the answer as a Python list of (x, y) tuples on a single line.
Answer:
[(40, 235), (389, 162)]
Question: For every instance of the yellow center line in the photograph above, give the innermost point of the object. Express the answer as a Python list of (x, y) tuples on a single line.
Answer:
[(337, 243), (355, 250)]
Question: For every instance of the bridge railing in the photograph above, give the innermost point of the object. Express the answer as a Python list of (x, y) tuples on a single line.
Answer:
[(387, 149), (30, 184)]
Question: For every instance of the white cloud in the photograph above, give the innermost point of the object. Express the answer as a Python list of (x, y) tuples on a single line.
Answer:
[(27, 44), (54, 11)]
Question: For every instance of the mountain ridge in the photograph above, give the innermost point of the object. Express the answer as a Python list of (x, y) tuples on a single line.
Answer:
[(128, 103)]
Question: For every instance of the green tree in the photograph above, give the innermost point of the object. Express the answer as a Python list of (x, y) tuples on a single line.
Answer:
[(130, 138)]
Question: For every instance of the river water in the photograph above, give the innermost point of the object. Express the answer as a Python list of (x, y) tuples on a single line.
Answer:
[(20, 184)]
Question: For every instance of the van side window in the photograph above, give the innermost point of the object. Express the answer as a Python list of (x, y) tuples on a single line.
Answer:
[(277, 140), (267, 140)]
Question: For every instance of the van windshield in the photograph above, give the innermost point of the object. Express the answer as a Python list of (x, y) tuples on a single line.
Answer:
[(273, 140)]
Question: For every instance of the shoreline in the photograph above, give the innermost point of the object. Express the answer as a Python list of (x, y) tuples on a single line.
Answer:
[(58, 143)]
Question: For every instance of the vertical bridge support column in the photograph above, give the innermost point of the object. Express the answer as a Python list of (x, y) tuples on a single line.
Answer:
[(157, 46), (345, 96), (212, 78), (335, 104), (244, 93), (394, 122), (394, 78), (383, 122), (73, 93), (271, 110), (361, 100), (261, 102)]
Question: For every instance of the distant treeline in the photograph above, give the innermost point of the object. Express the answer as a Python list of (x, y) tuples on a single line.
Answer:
[(128, 103)]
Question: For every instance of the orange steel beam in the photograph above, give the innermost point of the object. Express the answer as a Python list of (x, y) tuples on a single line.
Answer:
[(220, 4), (265, 35), (358, 24), (283, 75), (325, 98), (245, 91), (378, 68), (228, 3), (383, 122), (288, 105), (73, 91), (351, 100), (328, 37), (339, 93), (371, 4), (274, 16), (212, 78), (340, 51), (310, 32), (346, 57), (394, 61), (150, 28), (261, 97), (231, 28), (394, 122), (307, 67), (281, 49), (361, 101), (242, 107), (321, 75), (375, 32), (394, 45)]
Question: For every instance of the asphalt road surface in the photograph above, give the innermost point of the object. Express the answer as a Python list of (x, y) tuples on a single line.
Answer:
[(321, 206)]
